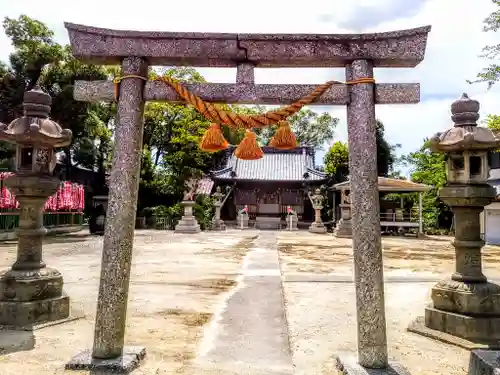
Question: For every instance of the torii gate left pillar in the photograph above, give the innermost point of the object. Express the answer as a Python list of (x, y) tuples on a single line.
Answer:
[(359, 54)]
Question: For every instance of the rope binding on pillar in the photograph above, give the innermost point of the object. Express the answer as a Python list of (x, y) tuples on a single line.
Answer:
[(213, 140)]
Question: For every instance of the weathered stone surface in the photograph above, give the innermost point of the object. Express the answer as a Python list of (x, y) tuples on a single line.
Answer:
[(125, 363), (347, 365), (467, 298), (366, 242), (481, 329), (28, 313), (402, 48), (484, 362), (188, 223), (121, 213), (343, 228), (317, 228), (246, 93)]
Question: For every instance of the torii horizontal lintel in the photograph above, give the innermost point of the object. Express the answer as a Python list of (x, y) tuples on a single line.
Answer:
[(234, 93), (401, 48)]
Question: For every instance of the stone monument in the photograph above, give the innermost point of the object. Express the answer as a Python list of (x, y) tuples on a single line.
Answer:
[(133, 50), (344, 225), (243, 218), (217, 222), (30, 292), (317, 200), (291, 220), (465, 307), (188, 222)]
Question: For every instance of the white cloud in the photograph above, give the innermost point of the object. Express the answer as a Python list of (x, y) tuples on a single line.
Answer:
[(454, 44)]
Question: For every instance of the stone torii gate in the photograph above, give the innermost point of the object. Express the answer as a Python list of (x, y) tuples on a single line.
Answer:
[(135, 51)]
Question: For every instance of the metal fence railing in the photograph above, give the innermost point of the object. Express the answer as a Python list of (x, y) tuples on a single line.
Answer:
[(10, 220)]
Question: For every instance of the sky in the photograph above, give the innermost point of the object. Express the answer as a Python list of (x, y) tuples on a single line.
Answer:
[(452, 56)]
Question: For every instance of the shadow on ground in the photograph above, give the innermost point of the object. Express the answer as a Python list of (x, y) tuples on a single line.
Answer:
[(12, 341)]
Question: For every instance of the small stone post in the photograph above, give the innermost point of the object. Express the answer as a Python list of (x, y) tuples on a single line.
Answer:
[(366, 241), (243, 218), (109, 352), (317, 200), (217, 223), (465, 307), (30, 292), (291, 220), (343, 228)]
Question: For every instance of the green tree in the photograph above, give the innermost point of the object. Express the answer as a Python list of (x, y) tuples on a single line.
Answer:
[(311, 129), (491, 73), (429, 168), (386, 153), (337, 158), (38, 59), (336, 162)]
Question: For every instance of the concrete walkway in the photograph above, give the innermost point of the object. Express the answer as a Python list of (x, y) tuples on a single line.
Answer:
[(250, 336)]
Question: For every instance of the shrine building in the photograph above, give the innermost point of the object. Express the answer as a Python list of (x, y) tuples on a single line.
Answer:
[(268, 186)]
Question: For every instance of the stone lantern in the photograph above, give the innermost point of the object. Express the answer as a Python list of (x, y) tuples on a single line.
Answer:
[(465, 306), (217, 222), (30, 292), (317, 200)]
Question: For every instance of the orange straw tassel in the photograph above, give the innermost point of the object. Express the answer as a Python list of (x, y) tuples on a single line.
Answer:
[(249, 149), (213, 140), (284, 138)]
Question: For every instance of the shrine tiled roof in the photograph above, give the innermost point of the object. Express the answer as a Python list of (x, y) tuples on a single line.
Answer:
[(276, 165)]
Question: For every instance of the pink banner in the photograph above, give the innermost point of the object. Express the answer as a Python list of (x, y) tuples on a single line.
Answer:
[(69, 197)]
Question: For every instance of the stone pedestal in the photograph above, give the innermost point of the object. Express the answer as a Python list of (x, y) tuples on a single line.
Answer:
[(217, 223), (243, 221), (188, 223), (465, 308), (317, 226), (30, 292), (291, 222), (344, 226)]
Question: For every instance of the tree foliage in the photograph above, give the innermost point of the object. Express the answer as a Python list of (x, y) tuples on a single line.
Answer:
[(491, 74), (337, 158), (429, 168), (311, 129)]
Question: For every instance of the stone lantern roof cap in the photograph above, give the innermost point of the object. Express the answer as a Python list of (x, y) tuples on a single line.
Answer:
[(465, 135), (35, 127)]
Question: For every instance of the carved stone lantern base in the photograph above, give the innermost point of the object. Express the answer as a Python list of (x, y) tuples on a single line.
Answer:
[(317, 227), (30, 298), (467, 311), (343, 228), (188, 223), (218, 224), (30, 292)]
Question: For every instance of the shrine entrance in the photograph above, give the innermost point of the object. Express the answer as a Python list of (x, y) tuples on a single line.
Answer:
[(358, 54)]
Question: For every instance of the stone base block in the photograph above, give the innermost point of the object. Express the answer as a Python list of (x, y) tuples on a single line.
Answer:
[(343, 229), (435, 329), (25, 314), (484, 362), (187, 225), (348, 365), (128, 361), (474, 328), (218, 225), (317, 228)]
